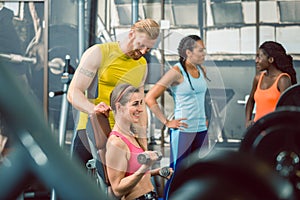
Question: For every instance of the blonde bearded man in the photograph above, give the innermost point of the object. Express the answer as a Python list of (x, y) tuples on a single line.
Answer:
[(110, 64)]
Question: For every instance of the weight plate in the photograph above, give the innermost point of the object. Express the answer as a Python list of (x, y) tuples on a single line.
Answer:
[(284, 116), (275, 138), (229, 175), (290, 97)]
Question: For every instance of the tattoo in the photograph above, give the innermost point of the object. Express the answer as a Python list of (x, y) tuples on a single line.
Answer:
[(87, 72)]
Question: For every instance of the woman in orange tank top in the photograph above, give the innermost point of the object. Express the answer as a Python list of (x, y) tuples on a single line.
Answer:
[(275, 74)]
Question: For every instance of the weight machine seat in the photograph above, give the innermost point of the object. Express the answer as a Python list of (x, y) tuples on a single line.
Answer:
[(98, 130), (290, 97)]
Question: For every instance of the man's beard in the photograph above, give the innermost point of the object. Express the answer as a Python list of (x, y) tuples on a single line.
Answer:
[(135, 54)]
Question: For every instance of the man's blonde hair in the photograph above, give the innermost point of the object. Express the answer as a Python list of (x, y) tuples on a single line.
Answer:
[(148, 26)]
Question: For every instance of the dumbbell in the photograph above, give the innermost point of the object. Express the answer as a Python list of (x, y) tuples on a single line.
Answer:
[(164, 172), (144, 158)]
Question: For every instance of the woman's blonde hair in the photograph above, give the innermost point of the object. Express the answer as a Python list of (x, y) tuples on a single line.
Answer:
[(148, 26)]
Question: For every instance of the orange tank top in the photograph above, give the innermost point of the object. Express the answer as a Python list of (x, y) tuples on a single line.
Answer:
[(266, 99)]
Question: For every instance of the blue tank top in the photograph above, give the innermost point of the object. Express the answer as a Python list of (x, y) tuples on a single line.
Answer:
[(190, 103)]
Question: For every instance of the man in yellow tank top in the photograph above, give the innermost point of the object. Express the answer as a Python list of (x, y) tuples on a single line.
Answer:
[(110, 64)]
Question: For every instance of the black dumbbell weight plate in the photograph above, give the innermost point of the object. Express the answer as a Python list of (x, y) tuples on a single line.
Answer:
[(226, 176), (275, 139), (283, 117), (290, 97)]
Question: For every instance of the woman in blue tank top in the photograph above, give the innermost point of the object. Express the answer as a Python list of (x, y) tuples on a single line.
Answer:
[(187, 83)]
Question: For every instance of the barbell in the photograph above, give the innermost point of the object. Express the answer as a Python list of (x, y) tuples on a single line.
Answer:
[(56, 65)]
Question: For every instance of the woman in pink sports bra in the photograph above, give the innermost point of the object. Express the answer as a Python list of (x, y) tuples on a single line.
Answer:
[(128, 178), (276, 74)]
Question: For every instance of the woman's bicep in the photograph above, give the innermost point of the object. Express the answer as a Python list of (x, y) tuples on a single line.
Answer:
[(116, 154), (155, 92), (116, 164), (116, 160)]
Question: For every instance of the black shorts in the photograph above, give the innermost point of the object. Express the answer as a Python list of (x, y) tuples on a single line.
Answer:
[(148, 196)]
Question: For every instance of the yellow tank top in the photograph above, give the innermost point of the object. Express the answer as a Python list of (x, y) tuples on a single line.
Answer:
[(115, 68)]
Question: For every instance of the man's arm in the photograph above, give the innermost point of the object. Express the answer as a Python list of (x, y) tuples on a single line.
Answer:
[(82, 79)]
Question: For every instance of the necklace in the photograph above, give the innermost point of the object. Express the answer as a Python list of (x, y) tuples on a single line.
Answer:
[(132, 136), (124, 131)]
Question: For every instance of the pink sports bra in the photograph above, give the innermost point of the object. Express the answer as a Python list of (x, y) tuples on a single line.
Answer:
[(133, 164)]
